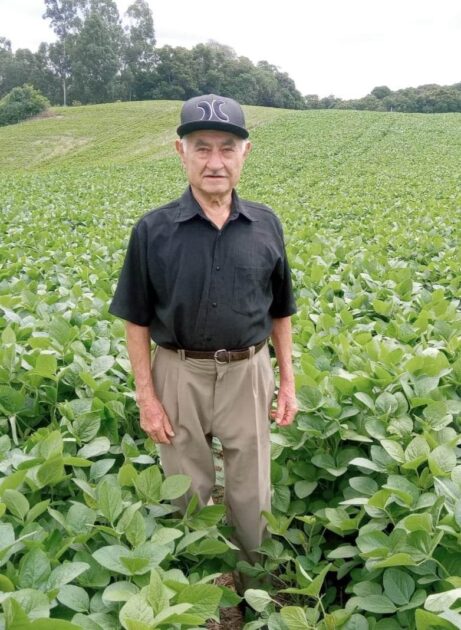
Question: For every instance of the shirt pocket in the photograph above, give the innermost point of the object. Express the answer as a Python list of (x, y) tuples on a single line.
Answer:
[(250, 289)]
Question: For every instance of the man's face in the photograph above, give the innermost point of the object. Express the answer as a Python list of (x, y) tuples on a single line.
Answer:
[(213, 160)]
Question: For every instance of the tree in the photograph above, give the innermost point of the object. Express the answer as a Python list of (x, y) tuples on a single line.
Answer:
[(174, 75), (381, 91), (21, 103), (65, 21), (139, 53), (96, 59)]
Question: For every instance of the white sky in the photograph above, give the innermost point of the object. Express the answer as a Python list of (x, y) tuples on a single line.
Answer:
[(341, 47)]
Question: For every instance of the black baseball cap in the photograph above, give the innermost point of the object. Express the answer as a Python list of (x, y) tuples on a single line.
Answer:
[(211, 111)]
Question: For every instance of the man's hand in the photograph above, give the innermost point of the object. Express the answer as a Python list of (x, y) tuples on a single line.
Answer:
[(287, 406), (154, 421)]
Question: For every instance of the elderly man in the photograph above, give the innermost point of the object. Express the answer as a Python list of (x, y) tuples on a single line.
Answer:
[(206, 278)]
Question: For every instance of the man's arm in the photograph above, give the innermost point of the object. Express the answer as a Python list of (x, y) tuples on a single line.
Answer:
[(286, 400), (154, 420)]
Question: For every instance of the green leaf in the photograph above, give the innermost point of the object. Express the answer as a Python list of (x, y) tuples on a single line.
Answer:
[(109, 496), (259, 600), (437, 415), (204, 598), (60, 330), (34, 603), (16, 503), (85, 428), (65, 573), (376, 604), (35, 569), (11, 400), (148, 484), (174, 487), (295, 618), (46, 365), (396, 560), (418, 522), (47, 624), (80, 518), (136, 614), (304, 489), (402, 488), (355, 622), (313, 590), (74, 597), (209, 547), (157, 593), (95, 448), (166, 535), (38, 509), (428, 621), (176, 614), (439, 602), (101, 365), (394, 450), (208, 516), (398, 586), (442, 460), (386, 404), (343, 551), (136, 530), (100, 467), (137, 562), (365, 485), (119, 591), (310, 398), (51, 472)]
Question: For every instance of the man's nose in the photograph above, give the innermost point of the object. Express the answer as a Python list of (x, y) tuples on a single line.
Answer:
[(215, 160)]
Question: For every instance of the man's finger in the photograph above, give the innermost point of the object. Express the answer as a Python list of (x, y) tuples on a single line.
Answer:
[(167, 426)]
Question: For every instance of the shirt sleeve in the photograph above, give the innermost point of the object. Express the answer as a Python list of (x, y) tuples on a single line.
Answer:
[(134, 296), (283, 303)]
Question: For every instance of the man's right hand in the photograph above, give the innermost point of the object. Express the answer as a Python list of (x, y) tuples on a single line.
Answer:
[(154, 421)]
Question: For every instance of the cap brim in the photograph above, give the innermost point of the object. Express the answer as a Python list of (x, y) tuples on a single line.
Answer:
[(211, 124)]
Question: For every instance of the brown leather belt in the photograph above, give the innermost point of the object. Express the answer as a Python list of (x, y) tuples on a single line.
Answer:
[(223, 355)]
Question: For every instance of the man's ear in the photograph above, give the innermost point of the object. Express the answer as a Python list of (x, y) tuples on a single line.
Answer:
[(247, 149), (179, 148)]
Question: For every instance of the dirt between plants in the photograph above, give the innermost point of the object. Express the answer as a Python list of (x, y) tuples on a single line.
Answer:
[(231, 618)]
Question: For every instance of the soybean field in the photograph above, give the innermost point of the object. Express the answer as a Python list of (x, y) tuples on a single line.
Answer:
[(366, 506)]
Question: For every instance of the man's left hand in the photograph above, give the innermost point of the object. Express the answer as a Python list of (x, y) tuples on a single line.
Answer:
[(287, 406)]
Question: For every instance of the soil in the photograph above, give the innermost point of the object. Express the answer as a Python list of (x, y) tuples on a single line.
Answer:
[(231, 618)]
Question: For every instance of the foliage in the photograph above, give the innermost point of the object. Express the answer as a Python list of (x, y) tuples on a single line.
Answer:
[(366, 484), (425, 99), (21, 103), (100, 57)]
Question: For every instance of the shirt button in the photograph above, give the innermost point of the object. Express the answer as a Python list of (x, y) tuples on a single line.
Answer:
[(214, 304), (218, 267)]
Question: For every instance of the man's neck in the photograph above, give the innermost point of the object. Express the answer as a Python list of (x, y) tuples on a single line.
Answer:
[(216, 207)]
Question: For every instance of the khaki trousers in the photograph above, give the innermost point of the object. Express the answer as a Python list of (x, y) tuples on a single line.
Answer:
[(204, 399)]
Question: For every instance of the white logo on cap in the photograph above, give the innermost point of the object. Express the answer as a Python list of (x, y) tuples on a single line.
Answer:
[(213, 110)]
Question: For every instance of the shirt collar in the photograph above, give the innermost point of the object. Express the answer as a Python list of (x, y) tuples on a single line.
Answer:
[(189, 207)]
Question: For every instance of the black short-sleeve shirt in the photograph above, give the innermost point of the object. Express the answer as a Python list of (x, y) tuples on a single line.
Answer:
[(203, 288)]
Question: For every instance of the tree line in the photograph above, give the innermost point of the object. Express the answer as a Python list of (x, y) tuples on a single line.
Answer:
[(100, 56), (425, 99)]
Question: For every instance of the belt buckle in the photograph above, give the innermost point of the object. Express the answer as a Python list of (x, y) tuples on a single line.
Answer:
[(216, 357)]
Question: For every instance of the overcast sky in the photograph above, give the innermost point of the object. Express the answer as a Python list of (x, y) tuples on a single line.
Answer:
[(341, 47)]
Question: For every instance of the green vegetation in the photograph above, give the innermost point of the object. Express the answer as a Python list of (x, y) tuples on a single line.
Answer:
[(367, 484), (21, 103), (425, 99), (101, 57)]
